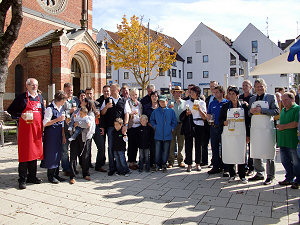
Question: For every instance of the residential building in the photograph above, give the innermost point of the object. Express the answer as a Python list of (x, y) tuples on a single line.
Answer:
[(162, 80), (209, 56), (258, 48)]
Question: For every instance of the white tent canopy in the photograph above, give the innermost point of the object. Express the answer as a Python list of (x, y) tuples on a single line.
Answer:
[(277, 65)]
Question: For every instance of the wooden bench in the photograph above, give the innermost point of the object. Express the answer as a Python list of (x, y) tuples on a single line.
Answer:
[(7, 124)]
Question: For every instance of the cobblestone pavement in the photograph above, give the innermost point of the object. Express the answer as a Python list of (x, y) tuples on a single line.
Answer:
[(176, 197)]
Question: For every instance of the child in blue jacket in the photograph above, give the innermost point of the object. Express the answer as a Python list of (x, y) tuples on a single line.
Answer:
[(163, 120)]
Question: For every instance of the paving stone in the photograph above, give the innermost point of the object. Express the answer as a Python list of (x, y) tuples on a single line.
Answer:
[(268, 196), (214, 201), (210, 220), (266, 220), (207, 191), (247, 218), (244, 199), (256, 210), (233, 222), (222, 212), (179, 193), (234, 205)]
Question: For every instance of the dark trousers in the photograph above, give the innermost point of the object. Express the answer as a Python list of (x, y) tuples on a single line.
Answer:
[(204, 146), (189, 146), (144, 158), (52, 173), (132, 144), (215, 135), (241, 170), (100, 143), (152, 151), (27, 170), (81, 149), (249, 165)]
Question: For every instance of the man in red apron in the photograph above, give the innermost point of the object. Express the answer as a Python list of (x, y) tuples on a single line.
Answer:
[(29, 108)]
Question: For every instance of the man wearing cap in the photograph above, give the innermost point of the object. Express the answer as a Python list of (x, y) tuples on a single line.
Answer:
[(178, 106), (163, 120)]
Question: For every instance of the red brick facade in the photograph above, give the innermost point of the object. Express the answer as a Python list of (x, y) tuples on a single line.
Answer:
[(36, 61)]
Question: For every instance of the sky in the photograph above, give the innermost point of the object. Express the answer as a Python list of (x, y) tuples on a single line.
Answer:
[(179, 18)]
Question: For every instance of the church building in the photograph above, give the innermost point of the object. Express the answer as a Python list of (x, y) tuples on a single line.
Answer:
[(56, 44)]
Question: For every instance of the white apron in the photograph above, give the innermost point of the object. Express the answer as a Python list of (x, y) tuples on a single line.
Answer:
[(234, 137), (262, 134)]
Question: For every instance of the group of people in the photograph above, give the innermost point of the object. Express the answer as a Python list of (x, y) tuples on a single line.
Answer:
[(157, 127)]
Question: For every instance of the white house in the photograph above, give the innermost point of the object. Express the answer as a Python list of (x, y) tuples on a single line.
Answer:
[(162, 82), (209, 56), (257, 48)]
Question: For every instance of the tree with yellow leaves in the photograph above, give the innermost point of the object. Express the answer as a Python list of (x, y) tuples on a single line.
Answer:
[(131, 51)]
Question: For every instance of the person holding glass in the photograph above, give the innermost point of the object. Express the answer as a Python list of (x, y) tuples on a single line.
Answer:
[(54, 137), (193, 127), (29, 109)]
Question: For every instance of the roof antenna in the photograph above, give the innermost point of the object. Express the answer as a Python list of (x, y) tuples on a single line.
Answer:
[(267, 28)]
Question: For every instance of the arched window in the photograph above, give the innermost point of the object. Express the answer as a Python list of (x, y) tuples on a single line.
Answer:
[(75, 73), (18, 80)]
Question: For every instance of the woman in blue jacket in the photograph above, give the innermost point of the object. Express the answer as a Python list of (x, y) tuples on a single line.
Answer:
[(164, 121)]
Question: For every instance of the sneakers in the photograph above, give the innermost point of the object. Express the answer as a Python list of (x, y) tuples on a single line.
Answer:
[(126, 174), (244, 181), (60, 179), (71, 139), (170, 166), (154, 168), (256, 178), (250, 173), (198, 167), (268, 181), (231, 179), (284, 183)]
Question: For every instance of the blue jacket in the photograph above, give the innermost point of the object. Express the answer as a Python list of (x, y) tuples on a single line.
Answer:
[(163, 121)]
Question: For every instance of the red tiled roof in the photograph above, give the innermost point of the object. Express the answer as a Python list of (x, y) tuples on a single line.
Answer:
[(172, 42)]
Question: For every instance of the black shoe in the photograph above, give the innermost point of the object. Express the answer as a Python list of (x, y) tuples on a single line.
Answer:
[(214, 171), (34, 180), (203, 164), (101, 170), (210, 166), (226, 174), (140, 170), (60, 179), (92, 166), (295, 186), (53, 180), (22, 185), (268, 181), (284, 182), (110, 173), (164, 169), (256, 178), (76, 172), (250, 173)]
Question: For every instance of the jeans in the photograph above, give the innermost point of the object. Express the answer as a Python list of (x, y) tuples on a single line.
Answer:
[(291, 163), (162, 150), (144, 158), (111, 160), (100, 143), (215, 135), (77, 131), (121, 163), (65, 164)]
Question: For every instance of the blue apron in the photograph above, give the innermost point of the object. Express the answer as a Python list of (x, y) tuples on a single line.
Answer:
[(52, 142)]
